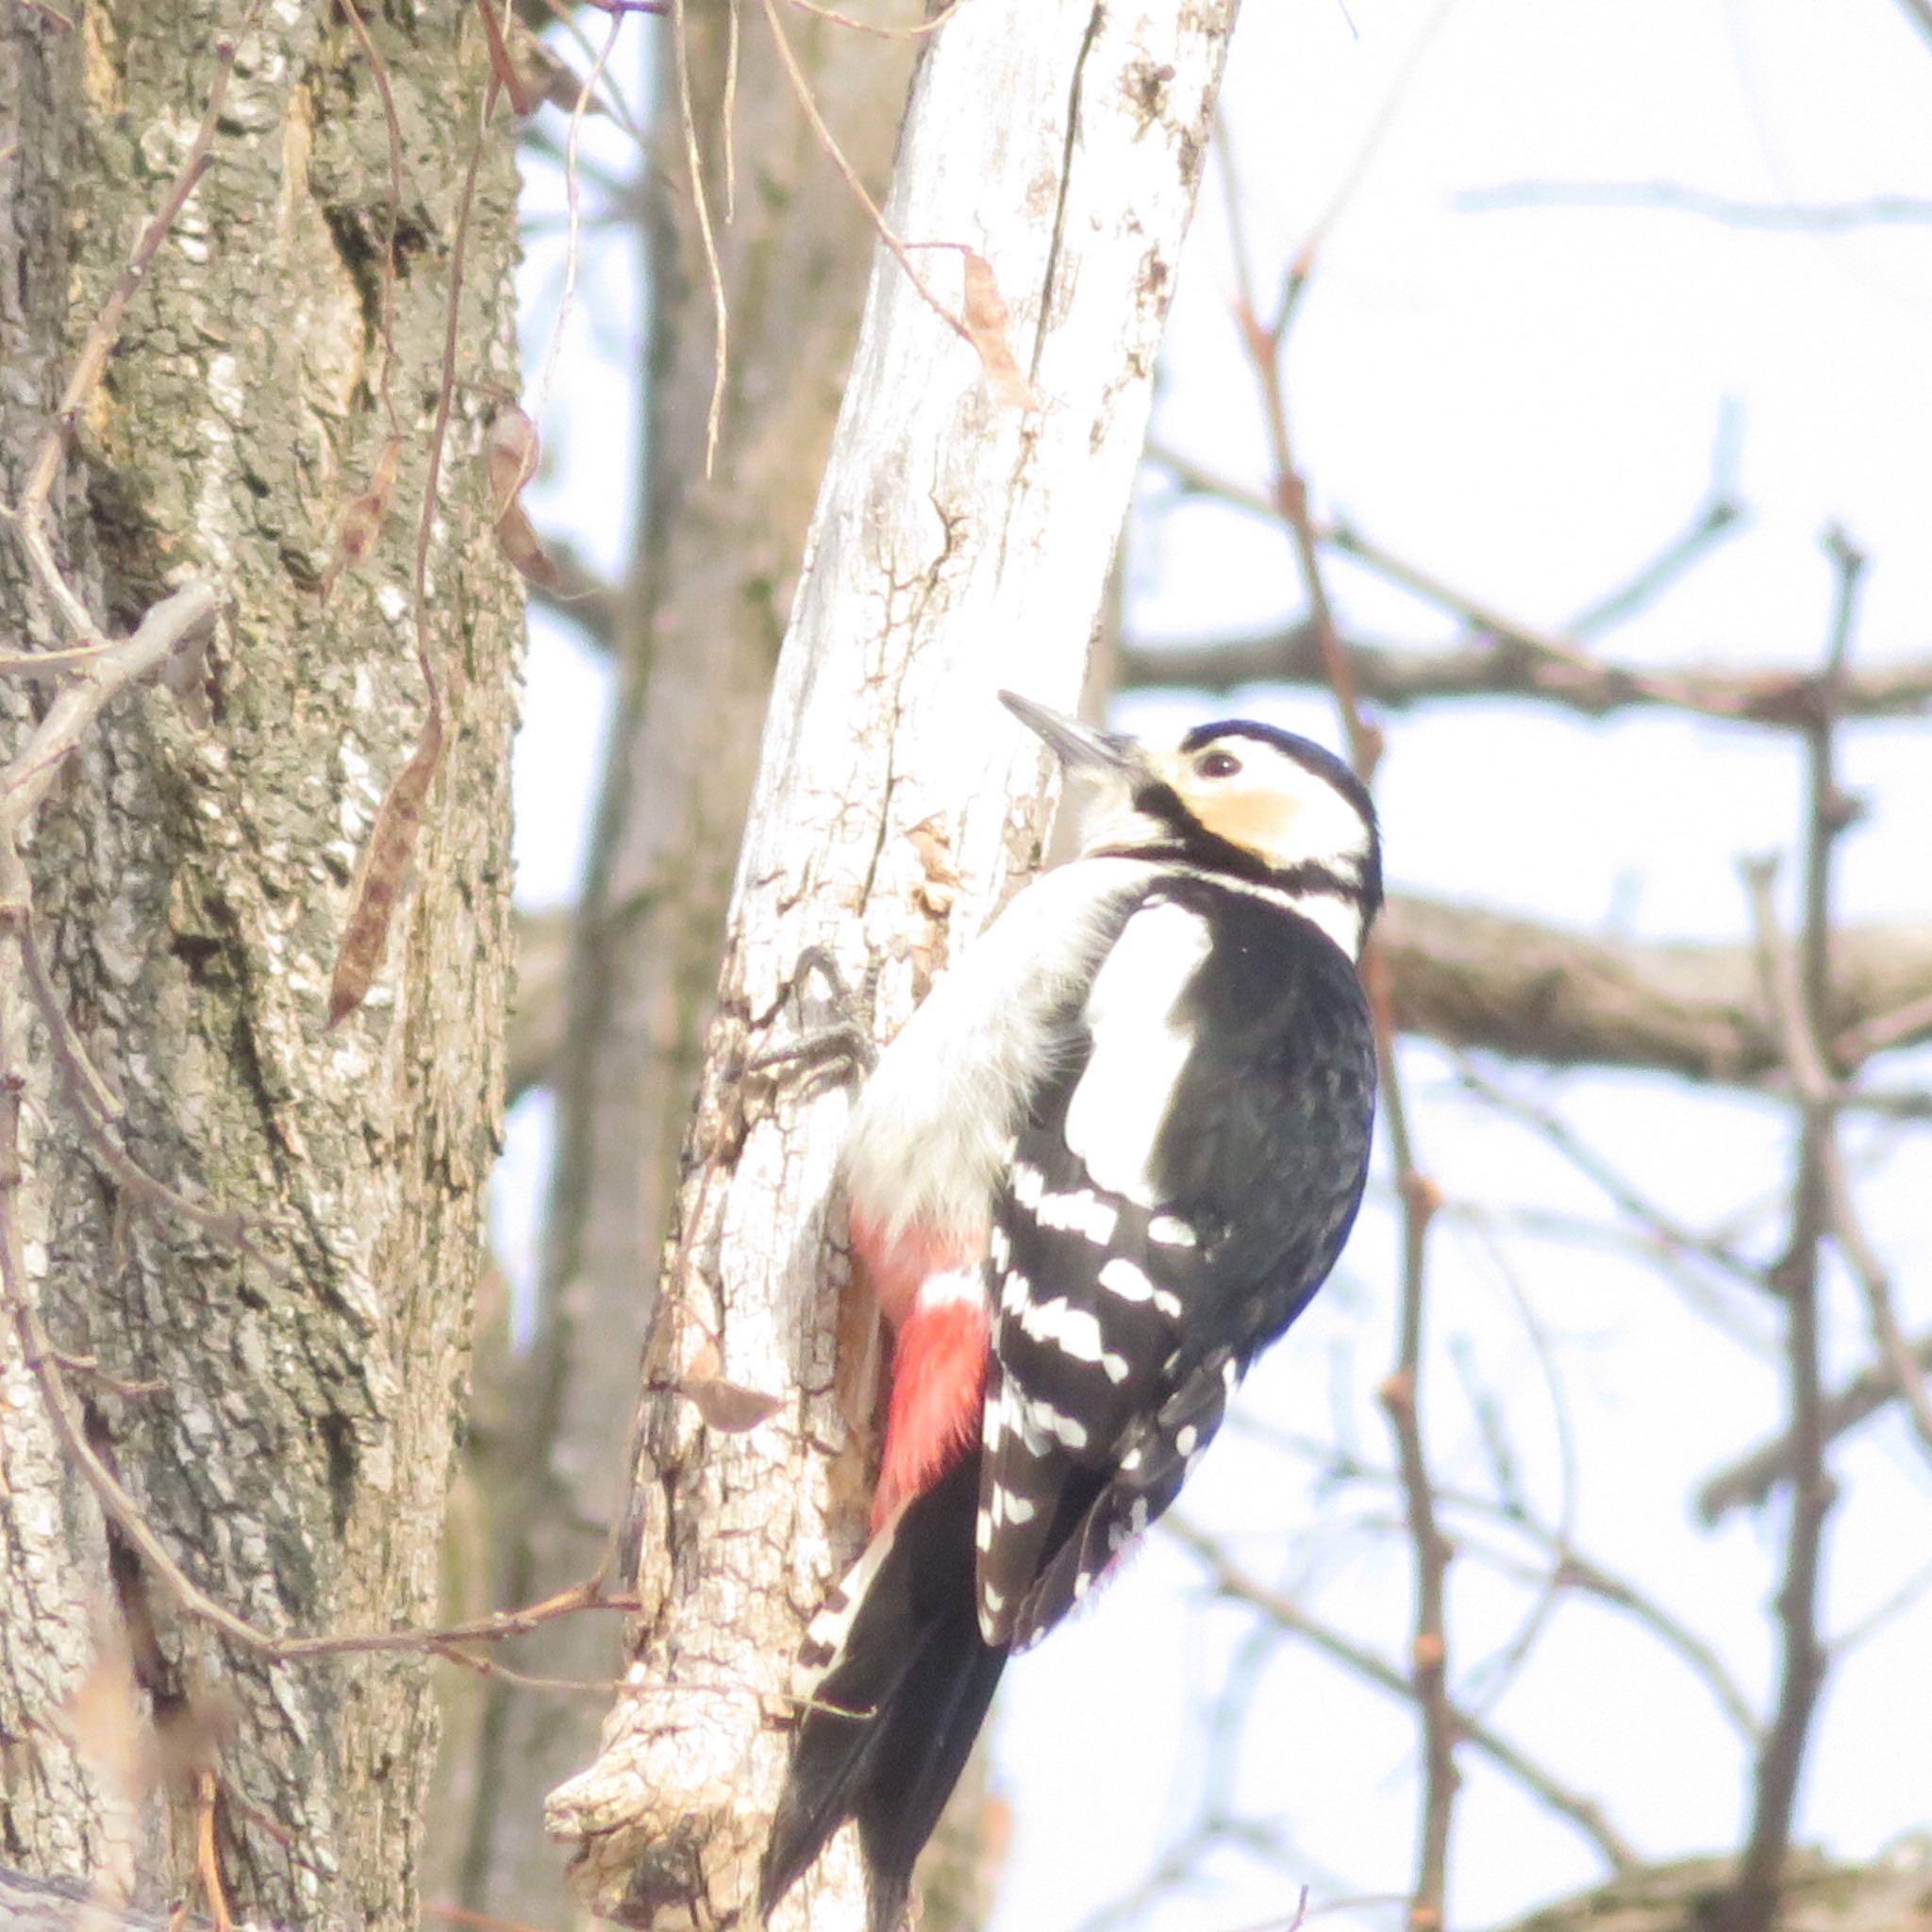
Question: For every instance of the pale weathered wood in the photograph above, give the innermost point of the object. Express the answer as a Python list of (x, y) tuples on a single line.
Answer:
[(697, 637), (960, 544)]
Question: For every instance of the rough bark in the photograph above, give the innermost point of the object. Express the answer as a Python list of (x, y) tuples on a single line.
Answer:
[(962, 543), (1474, 979), (1894, 1895), (697, 637), (190, 876)]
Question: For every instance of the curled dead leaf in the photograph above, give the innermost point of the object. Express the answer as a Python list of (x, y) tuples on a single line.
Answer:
[(360, 526), (383, 873), (511, 452), (986, 319), (729, 1407)]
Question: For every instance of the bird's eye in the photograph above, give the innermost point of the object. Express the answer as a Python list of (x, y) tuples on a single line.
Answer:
[(1218, 764)]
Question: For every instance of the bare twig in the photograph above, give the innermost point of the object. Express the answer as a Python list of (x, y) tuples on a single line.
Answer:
[(836, 155), (708, 241), (1920, 12), (1569, 1567), (1675, 197), (1508, 657), (1748, 1481), (1797, 989), (1401, 1390), (929, 25), (1716, 518), (1582, 1812)]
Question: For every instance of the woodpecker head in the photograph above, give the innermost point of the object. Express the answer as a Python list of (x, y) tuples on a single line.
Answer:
[(1235, 797)]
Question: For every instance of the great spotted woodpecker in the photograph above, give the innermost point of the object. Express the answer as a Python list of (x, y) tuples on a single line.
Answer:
[(1103, 1165)]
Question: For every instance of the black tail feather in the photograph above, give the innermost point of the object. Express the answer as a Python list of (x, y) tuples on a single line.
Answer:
[(894, 1717)]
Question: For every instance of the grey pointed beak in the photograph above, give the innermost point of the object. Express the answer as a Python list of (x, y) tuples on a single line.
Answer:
[(1078, 746)]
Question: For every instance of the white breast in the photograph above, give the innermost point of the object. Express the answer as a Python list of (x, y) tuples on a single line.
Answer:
[(932, 1131)]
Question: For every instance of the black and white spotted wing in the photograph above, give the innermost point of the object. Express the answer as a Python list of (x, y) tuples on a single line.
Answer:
[(1202, 1154)]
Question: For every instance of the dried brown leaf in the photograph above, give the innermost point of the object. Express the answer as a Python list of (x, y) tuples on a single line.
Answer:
[(546, 75), (501, 62), (724, 1405), (510, 454), (729, 1407), (359, 525), (986, 320), (511, 450), (384, 871), (521, 543)]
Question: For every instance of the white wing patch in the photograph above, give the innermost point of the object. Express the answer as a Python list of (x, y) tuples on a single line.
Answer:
[(1139, 1047)]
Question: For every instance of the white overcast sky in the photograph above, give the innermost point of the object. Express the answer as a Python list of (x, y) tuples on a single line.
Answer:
[(1526, 403)]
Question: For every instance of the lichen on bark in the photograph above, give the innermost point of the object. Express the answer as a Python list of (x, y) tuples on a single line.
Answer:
[(190, 877)]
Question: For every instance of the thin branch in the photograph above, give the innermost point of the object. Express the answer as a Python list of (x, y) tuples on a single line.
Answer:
[(925, 27), (1675, 197), (836, 155), (1568, 1567), (1508, 656), (1235, 1584), (1717, 518), (708, 241), (1401, 1390), (1749, 1481), (1797, 989), (1920, 11)]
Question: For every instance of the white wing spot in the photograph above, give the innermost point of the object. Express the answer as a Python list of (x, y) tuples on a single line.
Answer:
[(1075, 1331), (1122, 1277), (1028, 1184), (1018, 1509), (1014, 1292), (1185, 1440), (1116, 1366), (982, 1532), (1083, 1212), (1169, 1231), (1064, 1429), (1167, 1303)]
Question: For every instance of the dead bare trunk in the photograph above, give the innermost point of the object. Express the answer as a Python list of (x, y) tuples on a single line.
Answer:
[(961, 542), (699, 634)]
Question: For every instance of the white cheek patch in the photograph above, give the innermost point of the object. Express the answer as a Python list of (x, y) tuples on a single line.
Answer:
[(1139, 1047)]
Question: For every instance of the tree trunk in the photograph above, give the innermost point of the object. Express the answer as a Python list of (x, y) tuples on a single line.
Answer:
[(288, 1440), (699, 635), (962, 543)]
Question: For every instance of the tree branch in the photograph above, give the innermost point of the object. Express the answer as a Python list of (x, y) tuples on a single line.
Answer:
[(1494, 983), (1584, 1813), (1489, 666), (1749, 1480)]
